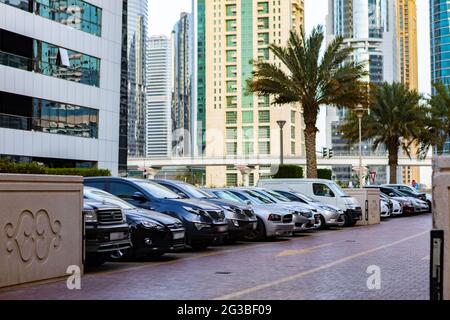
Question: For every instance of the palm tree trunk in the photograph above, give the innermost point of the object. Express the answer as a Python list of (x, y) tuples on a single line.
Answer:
[(310, 146), (393, 164)]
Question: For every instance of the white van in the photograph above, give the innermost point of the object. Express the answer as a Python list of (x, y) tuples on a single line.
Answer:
[(325, 191)]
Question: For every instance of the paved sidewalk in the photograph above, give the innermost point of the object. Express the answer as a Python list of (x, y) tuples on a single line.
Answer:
[(319, 265)]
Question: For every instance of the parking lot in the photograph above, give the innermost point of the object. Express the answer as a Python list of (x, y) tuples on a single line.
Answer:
[(330, 264)]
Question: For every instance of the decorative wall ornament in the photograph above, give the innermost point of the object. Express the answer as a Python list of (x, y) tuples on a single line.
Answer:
[(33, 236)]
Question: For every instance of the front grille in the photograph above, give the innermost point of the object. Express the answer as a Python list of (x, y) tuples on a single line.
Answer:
[(109, 216), (287, 218), (174, 226), (216, 215)]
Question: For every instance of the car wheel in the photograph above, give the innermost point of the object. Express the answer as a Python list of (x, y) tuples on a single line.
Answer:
[(95, 260), (430, 206), (258, 234), (323, 224), (155, 255), (200, 245), (347, 220)]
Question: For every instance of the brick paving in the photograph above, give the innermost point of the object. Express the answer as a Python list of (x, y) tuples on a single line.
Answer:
[(319, 265)]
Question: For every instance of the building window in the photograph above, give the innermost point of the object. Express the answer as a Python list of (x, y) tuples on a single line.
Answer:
[(264, 133), (28, 54), (232, 179), (47, 116), (248, 147), (264, 147), (231, 117), (232, 133), (232, 148), (264, 116), (247, 116), (76, 14)]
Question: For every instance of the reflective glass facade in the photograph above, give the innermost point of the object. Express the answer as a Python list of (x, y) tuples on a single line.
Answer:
[(21, 52), (33, 114), (440, 40), (76, 14)]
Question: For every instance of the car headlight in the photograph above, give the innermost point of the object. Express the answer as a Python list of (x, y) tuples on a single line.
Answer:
[(231, 209), (90, 216), (235, 222), (306, 214), (149, 225), (274, 217)]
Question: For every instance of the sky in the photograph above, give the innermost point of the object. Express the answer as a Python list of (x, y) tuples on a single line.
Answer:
[(165, 13)]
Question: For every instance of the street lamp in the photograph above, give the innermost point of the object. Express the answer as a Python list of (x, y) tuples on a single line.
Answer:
[(281, 124), (360, 111)]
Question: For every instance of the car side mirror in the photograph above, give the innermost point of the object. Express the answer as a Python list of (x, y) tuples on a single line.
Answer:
[(248, 202), (138, 196), (182, 195), (391, 195)]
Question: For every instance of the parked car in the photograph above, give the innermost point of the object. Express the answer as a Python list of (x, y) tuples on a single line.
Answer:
[(407, 205), (385, 208), (325, 191), (106, 231), (411, 192), (303, 214), (273, 220), (152, 233), (327, 215), (203, 221), (241, 218)]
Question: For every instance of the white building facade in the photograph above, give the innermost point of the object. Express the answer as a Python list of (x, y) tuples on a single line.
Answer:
[(158, 93), (60, 82)]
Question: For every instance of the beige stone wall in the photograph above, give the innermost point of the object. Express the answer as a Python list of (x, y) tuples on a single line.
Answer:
[(373, 197), (441, 211), (40, 227)]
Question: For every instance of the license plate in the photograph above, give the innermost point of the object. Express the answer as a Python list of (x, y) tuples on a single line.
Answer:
[(178, 235), (116, 235), (222, 228)]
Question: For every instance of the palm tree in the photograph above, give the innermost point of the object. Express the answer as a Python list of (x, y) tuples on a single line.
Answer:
[(395, 120), (437, 121), (311, 80)]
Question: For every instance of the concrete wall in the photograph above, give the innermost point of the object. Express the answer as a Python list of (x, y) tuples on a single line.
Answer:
[(40, 227), (441, 211), (373, 204)]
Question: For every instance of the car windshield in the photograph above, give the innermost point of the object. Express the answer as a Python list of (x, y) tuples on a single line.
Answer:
[(102, 196), (225, 195), (157, 191), (337, 190), (259, 197), (277, 196), (396, 193), (306, 198), (195, 192)]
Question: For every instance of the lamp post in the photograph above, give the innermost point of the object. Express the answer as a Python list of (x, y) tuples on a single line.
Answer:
[(281, 124), (360, 114)]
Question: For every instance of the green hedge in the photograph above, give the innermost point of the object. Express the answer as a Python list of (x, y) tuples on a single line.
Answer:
[(289, 172), (35, 168), (325, 174)]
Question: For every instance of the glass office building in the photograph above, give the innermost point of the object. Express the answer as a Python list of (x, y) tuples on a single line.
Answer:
[(440, 45)]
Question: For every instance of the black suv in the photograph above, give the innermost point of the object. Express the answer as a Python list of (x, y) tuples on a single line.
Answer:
[(106, 231), (241, 218), (152, 233), (203, 222)]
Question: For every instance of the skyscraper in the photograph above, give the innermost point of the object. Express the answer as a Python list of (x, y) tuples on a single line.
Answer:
[(407, 43), (60, 82), (369, 26), (158, 97), (440, 45), (182, 119), (137, 33), (230, 122)]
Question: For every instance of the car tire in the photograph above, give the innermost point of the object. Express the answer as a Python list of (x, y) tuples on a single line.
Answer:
[(323, 224), (259, 234), (200, 245), (95, 260), (430, 206), (347, 220), (155, 255)]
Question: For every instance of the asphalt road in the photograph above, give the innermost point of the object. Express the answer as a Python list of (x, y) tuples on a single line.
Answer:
[(330, 264)]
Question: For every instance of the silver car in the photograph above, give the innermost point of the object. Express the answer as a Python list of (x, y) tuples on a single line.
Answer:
[(304, 215), (327, 215), (273, 220)]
